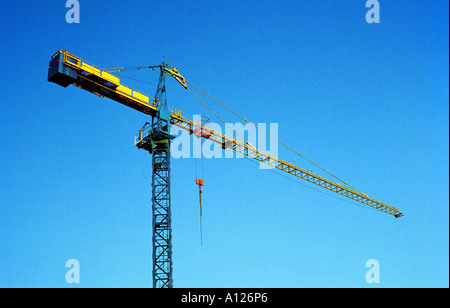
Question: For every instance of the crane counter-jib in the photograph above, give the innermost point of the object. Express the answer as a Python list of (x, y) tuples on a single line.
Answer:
[(66, 69)]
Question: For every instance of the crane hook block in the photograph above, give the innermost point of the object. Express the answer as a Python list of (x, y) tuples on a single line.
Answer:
[(200, 183)]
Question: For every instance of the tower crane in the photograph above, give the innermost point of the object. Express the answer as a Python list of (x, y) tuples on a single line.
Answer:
[(155, 137)]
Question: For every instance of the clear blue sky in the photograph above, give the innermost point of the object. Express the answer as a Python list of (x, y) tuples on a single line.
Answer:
[(369, 102)]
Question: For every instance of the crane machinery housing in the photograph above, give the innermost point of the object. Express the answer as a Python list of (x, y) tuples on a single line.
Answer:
[(155, 137)]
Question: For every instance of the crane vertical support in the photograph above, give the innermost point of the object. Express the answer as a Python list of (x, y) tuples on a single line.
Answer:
[(155, 138), (162, 221), (162, 216)]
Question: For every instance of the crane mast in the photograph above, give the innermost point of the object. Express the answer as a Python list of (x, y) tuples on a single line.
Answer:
[(66, 68), (159, 147)]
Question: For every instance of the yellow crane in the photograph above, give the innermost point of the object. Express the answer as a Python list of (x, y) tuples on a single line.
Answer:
[(66, 69)]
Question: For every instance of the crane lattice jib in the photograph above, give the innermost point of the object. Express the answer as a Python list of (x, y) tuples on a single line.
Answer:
[(250, 151)]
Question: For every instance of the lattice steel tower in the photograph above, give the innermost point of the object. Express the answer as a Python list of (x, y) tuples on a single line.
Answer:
[(155, 138)]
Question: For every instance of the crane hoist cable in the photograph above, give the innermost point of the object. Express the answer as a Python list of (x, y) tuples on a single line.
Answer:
[(128, 68), (283, 144), (200, 183)]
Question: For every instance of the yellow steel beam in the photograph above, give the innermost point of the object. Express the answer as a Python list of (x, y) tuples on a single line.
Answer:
[(89, 75)]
